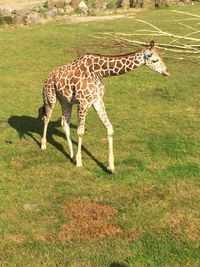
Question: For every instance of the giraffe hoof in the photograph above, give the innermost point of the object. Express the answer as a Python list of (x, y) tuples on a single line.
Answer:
[(43, 146), (111, 170), (79, 165)]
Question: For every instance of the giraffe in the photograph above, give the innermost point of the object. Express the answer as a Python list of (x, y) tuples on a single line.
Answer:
[(81, 83)]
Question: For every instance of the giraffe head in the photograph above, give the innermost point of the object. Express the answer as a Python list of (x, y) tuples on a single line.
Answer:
[(153, 60)]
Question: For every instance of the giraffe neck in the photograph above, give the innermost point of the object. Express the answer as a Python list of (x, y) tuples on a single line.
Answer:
[(116, 65)]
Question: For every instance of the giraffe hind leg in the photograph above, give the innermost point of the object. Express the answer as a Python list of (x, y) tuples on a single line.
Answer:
[(82, 111), (47, 118)]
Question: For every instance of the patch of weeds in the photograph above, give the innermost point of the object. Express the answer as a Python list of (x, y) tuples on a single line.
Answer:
[(163, 249), (4, 20), (165, 94), (172, 145), (132, 162), (184, 170)]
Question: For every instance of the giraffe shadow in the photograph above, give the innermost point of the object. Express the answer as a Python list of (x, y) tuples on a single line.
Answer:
[(28, 126)]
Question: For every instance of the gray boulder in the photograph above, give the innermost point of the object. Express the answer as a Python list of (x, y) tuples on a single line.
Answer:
[(32, 18), (17, 19), (68, 2), (75, 3), (51, 13), (83, 7), (104, 5), (57, 3), (61, 11), (136, 3), (148, 3), (6, 16), (123, 3), (68, 10), (5, 12)]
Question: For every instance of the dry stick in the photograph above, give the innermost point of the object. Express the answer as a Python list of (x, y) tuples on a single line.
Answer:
[(142, 44), (148, 23), (169, 34), (186, 13), (189, 27), (189, 46), (189, 34), (166, 34), (160, 44), (187, 19)]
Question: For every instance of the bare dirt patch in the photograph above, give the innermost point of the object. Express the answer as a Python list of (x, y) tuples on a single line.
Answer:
[(17, 239), (186, 225), (79, 19), (88, 220), (19, 4)]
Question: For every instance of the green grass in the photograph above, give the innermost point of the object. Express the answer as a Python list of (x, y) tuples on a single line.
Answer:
[(157, 152)]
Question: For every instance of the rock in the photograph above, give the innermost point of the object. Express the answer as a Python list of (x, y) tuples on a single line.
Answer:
[(75, 3), (32, 18), (123, 3), (5, 12), (17, 19), (104, 5), (67, 2), (111, 5), (83, 7), (61, 11), (148, 3), (57, 3), (136, 3), (164, 3), (21, 12), (172, 2), (50, 4), (98, 5), (68, 10), (20, 16), (160, 3), (50, 14), (6, 16)]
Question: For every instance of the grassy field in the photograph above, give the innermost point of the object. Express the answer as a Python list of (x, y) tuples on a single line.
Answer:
[(54, 214)]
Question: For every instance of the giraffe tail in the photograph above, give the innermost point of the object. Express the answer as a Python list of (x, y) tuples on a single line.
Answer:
[(41, 113), (49, 98)]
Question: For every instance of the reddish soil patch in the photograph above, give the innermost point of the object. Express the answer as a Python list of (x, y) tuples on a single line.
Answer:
[(88, 220), (17, 239), (186, 225)]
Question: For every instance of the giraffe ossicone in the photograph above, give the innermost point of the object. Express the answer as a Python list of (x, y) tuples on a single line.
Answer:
[(81, 83)]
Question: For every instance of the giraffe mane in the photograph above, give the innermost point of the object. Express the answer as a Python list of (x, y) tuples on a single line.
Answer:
[(114, 56)]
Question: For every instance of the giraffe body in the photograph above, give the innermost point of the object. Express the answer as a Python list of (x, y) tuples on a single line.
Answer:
[(81, 83)]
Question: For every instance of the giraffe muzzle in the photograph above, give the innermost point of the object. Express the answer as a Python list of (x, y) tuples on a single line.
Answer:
[(166, 72)]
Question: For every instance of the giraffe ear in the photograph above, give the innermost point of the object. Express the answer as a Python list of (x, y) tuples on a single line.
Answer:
[(152, 44)]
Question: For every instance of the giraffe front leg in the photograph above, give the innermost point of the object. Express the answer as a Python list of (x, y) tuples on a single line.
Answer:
[(82, 111), (100, 109), (65, 121), (111, 166), (78, 155), (69, 141)]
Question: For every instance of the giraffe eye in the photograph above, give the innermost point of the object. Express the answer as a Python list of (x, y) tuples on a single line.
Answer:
[(155, 60)]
